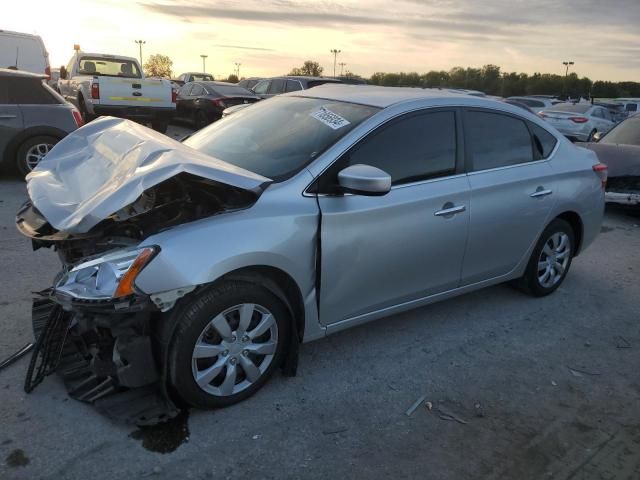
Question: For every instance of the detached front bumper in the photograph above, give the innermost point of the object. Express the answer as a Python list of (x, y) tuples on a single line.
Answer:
[(108, 357)]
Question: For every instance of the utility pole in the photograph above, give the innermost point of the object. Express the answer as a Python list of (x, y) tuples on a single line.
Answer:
[(335, 57), (140, 43), (566, 64), (204, 69), (342, 64), (238, 69)]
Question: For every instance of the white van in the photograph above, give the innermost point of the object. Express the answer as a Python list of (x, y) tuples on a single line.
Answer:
[(23, 51)]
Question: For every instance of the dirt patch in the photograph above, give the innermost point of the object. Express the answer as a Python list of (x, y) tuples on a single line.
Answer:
[(17, 458)]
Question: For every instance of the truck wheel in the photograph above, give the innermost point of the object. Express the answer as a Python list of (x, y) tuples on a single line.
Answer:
[(86, 116), (160, 125), (32, 151), (228, 343)]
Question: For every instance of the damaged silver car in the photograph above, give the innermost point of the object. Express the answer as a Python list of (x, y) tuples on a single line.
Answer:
[(191, 271)]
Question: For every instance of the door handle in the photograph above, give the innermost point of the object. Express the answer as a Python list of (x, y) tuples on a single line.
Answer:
[(450, 210), (7, 116), (541, 192)]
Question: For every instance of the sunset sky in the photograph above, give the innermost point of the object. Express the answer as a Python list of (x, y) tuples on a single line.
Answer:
[(270, 37)]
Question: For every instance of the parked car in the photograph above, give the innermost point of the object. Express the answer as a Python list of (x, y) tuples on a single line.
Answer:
[(307, 214), (25, 52), (620, 151), (579, 121), (616, 109), (465, 91), (33, 118), (537, 103), (270, 87), (236, 108), (521, 105), (202, 103), (631, 105), (249, 83), (113, 85), (193, 77)]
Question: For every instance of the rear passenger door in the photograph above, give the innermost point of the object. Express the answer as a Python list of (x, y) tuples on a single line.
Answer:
[(512, 187)]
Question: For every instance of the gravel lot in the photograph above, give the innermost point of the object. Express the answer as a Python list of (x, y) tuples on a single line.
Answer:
[(520, 388)]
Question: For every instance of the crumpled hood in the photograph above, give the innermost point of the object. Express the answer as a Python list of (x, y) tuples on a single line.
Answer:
[(107, 164)]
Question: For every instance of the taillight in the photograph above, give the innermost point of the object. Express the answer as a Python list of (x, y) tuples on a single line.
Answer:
[(77, 117), (174, 95), (95, 91), (541, 115), (219, 102), (601, 170), (579, 119), (47, 72)]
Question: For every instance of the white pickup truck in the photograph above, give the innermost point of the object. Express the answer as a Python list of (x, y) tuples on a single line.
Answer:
[(113, 85)]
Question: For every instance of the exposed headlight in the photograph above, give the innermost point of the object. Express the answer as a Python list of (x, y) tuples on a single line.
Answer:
[(110, 276)]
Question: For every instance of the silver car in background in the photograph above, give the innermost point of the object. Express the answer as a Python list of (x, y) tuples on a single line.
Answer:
[(579, 121), (208, 262)]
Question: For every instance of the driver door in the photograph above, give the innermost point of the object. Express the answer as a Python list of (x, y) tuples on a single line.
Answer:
[(380, 251)]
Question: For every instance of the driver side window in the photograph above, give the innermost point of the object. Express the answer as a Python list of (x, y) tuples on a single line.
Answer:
[(414, 147)]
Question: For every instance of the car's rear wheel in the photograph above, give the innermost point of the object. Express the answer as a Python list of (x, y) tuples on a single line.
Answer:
[(550, 260), (201, 119), (591, 135), (229, 341), (32, 151)]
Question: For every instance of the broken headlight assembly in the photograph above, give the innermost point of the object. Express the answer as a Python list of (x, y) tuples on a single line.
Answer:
[(109, 276)]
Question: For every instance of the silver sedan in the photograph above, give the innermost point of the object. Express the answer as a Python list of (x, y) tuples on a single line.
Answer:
[(579, 121), (208, 262)]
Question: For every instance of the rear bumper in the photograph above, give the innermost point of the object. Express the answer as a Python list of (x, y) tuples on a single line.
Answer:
[(632, 199), (135, 113)]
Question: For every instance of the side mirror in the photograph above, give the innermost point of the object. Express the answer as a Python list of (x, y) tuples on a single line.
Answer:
[(364, 180), (597, 136), (63, 73)]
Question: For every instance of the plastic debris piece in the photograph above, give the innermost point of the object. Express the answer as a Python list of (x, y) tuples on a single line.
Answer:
[(413, 407)]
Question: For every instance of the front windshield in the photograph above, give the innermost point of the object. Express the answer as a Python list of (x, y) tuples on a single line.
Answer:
[(277, 137), (626, 133)]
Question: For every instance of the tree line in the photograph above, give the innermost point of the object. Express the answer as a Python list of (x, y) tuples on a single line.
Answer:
[(488, 79)]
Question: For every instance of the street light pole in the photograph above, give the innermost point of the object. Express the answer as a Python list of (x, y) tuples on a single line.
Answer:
[(566, 64), (238, 70), (342, 64), (335, 57), (140, 43), (204, 69)]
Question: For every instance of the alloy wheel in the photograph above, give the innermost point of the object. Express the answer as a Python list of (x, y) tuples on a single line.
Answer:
[(554, 259), (234, 349), (37, 153)]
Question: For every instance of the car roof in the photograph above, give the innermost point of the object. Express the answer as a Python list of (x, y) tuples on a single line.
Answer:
[(8, 72), (382, 97)]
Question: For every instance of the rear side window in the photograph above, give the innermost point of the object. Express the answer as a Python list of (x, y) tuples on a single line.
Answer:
[(412, 148), (631, 107), (262, 87), (277, 86), (27, 91), (495, 140), (186, 90), (543, 141), (293, 85), (197, 91)]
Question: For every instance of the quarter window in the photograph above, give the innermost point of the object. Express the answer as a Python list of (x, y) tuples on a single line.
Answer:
[(543, 141), (262, 87), (293, 85), (197, 91), (495, 140)]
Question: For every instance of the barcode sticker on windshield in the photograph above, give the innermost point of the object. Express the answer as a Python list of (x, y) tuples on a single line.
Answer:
[(332, 120)]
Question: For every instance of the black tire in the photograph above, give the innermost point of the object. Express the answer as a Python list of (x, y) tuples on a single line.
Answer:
[(195, 315), (86, 116), (200, 119), (160, 125), (25, 151), (530, 282)]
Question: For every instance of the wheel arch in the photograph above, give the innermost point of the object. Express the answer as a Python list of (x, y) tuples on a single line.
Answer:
[(573, 219)]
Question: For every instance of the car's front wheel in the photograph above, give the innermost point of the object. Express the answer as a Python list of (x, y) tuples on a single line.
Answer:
[(550, 260), (228, 342)]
